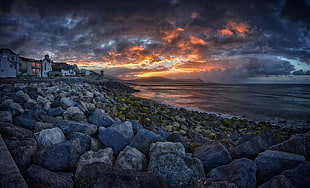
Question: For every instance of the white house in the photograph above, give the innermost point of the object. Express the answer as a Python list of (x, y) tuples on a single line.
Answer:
[(9, 63), (46, 66)]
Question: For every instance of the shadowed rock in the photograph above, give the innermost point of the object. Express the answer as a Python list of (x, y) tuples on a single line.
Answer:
[(106, 176)]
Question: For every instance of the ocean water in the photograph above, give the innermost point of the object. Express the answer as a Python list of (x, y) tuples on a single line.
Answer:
[(282, 105)]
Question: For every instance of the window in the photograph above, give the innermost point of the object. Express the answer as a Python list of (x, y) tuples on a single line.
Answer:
[(11, 65)]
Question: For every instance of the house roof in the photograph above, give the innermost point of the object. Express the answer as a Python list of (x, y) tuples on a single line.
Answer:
[(2, 50)]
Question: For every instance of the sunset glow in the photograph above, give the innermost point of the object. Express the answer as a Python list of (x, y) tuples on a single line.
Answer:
[(219, 41)]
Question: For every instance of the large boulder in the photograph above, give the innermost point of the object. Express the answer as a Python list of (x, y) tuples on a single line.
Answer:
[(69, 127), (101, 156), (241, 172), (38, 177), (21, 150), (159, 148), (106, 176), (131, 158), (6, 116), (177, 137), (111, 138), (54, 112), (124, 128), (300, 176), (100, 119), (296, 144), (48, 137), (8, 130), (75, 114), (279, 181), (143, 140), (212, 155), (59, 156), (25, 120), (177, 171), (254, 146), (271, 163), (85, 140)]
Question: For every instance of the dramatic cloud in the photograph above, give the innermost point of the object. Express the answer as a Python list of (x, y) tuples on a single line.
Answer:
[(214, 40)]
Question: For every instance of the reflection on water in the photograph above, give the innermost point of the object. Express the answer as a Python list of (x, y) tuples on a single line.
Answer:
[(256, 102)]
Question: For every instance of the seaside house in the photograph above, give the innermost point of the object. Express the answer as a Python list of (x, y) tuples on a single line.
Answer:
[(30, 67), (9, 63), (63, 69), (46, 66)]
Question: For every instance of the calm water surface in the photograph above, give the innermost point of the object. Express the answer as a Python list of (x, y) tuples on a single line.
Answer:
[(280, 104)]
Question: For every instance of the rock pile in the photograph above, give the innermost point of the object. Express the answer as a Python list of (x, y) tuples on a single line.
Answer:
[(68, 135)]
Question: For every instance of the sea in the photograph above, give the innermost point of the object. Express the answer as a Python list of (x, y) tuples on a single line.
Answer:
[(284, 105)]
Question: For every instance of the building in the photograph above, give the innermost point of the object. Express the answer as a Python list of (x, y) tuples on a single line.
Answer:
[(9, 63), (30, 67), (46, 66)]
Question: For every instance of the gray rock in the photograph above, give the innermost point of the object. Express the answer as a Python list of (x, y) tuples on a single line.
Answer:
[(212, 155), (296, 144), (95, 144), (241, 172), (279, 181), (85, 140), (131, 158), (171, 168), (75, 114), (41, 126), (38, 177), (111, 138), (143, 140), (197, 167), (48, 137), (36, 111), (124, 128), (100, 119), (271, 163), (300, 176), (8, 130), (69, 127), (177, 137), (25, 120), (136, 126), (21, 150), (54, 112), (100, 174), (6, 116), (251, 148), (48, 119), (59, 156), (17, 107), (101, 156), (67, 101), (160, 148)]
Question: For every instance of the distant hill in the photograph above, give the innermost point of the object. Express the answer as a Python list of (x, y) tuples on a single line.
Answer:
[(162, 79)]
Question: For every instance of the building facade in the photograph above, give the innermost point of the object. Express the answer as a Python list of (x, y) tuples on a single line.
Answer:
[(9, 63), (46, 66)]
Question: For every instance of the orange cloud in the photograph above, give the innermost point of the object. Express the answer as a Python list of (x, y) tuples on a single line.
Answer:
[(136, 48), (238, 28), (226, 32), (195, 40)]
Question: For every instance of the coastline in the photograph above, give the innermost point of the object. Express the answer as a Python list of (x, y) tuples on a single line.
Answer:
[(89, 126)]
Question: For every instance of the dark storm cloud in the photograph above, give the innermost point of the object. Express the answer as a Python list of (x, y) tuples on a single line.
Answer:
[(247, 36)]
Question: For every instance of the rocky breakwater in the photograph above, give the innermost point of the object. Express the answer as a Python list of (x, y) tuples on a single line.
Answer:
[(89, 134)]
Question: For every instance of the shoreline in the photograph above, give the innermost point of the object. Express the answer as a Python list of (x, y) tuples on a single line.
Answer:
[(79, 130)]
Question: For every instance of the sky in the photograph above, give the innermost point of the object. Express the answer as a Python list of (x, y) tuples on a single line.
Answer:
[(228, 41)]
